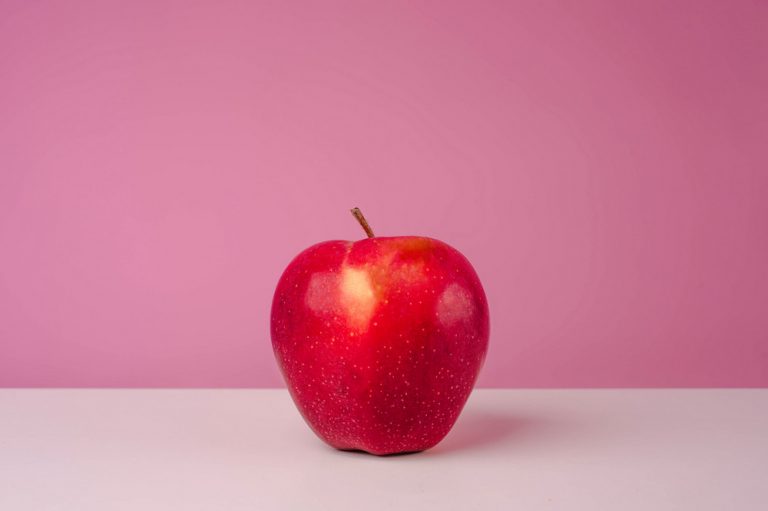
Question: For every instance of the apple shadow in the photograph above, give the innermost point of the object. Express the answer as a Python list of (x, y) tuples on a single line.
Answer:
[(482, 429)]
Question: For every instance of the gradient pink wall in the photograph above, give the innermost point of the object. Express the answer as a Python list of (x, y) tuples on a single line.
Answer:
[(604, 165)]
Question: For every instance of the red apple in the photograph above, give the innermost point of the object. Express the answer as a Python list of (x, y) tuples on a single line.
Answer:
[(380, 340)]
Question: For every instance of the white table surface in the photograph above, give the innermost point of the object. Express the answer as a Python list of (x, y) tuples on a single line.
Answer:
[(144, 450)]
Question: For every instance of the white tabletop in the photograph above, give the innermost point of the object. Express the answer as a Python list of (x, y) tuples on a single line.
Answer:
[(511, 449)]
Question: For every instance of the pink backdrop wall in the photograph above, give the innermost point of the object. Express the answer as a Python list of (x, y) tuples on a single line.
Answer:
[(604, 165)]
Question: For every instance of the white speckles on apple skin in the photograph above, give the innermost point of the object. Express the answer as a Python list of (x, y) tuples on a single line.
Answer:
[(397, 381)]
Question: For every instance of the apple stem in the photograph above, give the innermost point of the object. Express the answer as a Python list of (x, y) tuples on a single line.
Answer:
[(363, 222)]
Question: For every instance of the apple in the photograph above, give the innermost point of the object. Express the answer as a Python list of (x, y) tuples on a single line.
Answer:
[(380, 341)]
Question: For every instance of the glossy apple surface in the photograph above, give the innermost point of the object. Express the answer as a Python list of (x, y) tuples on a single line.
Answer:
[(380, 341)]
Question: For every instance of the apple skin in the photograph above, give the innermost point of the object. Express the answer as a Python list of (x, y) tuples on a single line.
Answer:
[(380, 341)]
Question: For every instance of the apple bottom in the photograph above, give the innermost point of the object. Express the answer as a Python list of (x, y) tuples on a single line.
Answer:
[(385, 419)]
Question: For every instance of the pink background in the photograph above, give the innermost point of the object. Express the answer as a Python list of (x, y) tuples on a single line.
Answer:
[(604, 165)]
